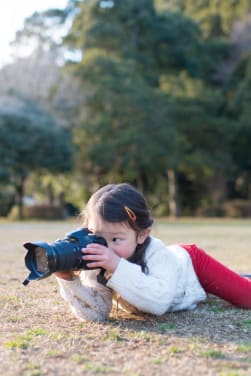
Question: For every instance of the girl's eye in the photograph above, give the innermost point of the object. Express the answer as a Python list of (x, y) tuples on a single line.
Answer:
[(116, 240)]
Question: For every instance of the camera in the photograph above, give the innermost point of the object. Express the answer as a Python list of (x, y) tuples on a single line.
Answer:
[(43, 259)]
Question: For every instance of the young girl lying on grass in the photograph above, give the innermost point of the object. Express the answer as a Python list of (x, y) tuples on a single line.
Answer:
[(143, 274)]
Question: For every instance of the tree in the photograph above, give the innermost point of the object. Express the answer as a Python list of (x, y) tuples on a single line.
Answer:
[(58, 93), (31, 141), (237, 108), (128, 50)]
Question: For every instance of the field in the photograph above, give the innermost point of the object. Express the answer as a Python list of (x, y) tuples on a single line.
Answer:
[(40, 336)]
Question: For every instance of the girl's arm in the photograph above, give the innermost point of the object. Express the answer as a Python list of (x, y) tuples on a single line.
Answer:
[(169, 285), (88, 299), (148, 293)]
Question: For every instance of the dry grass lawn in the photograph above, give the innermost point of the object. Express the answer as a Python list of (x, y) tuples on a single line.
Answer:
[(40, 336)]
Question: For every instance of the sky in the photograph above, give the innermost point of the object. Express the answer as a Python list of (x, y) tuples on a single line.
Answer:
[(12, 15)]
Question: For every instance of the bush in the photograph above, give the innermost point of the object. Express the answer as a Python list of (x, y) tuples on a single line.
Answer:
[(38, 212), (210, 211), (237, 209), (6, 202)]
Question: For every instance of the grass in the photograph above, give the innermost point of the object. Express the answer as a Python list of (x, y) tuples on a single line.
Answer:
[(24, 340), (247, 323), (39, 335), (166, 326), (244, 347), (215, 354)]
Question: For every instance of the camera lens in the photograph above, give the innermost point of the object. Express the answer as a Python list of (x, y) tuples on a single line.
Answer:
[(41, 260)]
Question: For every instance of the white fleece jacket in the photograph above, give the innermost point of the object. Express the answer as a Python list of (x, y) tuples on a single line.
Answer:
[(170, 285)]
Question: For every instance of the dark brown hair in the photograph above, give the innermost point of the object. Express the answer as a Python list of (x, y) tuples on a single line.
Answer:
[(110, 202)]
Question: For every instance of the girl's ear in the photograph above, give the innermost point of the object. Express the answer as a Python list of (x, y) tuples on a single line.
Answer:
[(143, 235)]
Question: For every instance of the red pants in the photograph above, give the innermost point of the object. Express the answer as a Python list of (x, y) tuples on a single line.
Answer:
[(219, 280)]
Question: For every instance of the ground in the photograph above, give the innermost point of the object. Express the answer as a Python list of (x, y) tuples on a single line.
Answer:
[(40, 336)]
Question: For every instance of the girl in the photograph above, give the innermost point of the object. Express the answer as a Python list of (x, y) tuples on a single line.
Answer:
[(143, 274)]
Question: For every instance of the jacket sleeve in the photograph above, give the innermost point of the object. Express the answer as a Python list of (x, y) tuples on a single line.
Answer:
[(88, 299), (154, 292)]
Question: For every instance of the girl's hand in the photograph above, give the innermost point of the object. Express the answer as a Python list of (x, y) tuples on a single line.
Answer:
[(100, 257)]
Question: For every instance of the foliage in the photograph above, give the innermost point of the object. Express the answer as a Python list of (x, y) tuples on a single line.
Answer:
[(215, 17), (162, 90), (27, 146), (237, 107), (31, 142)]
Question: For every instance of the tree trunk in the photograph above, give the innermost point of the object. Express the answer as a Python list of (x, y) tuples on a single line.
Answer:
[(174, 207), (50, 194), (19, 196), (217, 187)]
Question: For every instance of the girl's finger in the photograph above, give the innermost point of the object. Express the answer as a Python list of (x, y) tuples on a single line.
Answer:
[(93, 251), (94, 245), (94, 265)]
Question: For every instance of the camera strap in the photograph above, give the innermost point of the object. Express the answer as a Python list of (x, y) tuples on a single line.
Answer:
[(101, 277)]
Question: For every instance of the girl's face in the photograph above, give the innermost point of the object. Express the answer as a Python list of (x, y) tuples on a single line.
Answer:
[(120, 237)]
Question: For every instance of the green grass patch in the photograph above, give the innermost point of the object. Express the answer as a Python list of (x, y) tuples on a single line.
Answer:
[(79, 358), (214, 354), (21, 342), (174, 350), (247, 323), (114, 336), (97, 368), (24, 340), (218, 309), (244, 347), (166, 327), (54, 353), (58, 336), (230, 373), (37, 332), (145, 336), (33, 366), (159, 360)]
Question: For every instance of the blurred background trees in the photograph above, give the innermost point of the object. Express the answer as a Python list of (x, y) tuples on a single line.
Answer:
[(30, 142), (156, 93)]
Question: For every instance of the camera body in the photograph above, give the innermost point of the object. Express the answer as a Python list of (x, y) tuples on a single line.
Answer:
[(43, 259)]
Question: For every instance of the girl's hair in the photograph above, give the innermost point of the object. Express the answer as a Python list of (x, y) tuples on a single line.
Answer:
[(122, 203)]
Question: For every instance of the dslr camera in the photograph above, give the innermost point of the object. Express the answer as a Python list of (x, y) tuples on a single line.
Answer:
[(43, 259)]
